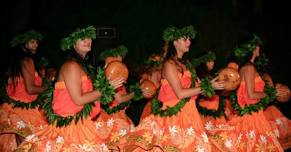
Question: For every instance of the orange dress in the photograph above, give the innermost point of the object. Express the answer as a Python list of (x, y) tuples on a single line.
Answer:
[(212, 104), (280, 124), (19, 121), (212, 123), (75, 137), (112, 127), (250, 132), (147, 110), (181, 132)]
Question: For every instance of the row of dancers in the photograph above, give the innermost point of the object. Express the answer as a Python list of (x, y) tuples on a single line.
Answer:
[(189, 109)]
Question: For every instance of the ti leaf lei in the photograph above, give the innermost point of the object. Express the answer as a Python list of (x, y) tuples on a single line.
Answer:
[(115, 109), (170, 111), (214, 113), (207, 88), (135, 88), (263, 103), (101, 84), (137, 96)]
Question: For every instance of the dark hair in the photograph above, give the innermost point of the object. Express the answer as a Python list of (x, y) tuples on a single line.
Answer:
[(172, 53), (16, 57), (202, 70), (262, 63), (84, 62), (244, 60), (249, 39)]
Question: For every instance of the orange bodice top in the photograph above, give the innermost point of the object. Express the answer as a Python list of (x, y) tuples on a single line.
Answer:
[(167, 94), (18, 92), (63, 104), (242, 95)]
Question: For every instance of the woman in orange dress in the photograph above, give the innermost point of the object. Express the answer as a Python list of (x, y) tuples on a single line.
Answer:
[(251, 130), (212, 109), (113, 115), (152, 73), (216, 110), (20, 115), (72, 103), (176, 126), (280, 123)]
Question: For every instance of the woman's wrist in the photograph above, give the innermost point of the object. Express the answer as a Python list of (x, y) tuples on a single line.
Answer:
[(199, 90)]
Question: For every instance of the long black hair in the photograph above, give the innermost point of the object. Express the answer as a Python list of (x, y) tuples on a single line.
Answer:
[(83, 61), (172, 55), (246, 48), (203, 71), (16, 58)]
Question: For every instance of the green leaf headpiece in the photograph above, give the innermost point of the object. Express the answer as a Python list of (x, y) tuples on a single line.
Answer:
[(118, 51), (247, 47), (173, 33), (68, 42), (25, 37), (203, 59)]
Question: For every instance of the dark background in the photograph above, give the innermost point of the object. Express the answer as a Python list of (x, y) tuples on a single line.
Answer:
[(138, 24)]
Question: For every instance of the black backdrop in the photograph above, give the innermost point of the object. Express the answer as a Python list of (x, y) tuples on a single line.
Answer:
[(139, 24)]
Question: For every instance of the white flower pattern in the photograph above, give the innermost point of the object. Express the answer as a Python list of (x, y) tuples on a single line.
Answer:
[(279, 121), (190, 131), (48, 147), (252, 134), (239, 137), (110, 122), (85, 147), (122, 132), (29, 138), (21, 124), (60, 140), (153, 124), (98, 125), (200, 148), (276, 132), (204, 137), (104, 147), (263, 139), (209, 125), (228, 143), (173, 130)]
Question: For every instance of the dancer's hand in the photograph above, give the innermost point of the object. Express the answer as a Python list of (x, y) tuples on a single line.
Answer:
[(216, 84), (117, 82)]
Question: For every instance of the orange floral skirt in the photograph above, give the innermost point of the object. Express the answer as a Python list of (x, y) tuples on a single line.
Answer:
[(18, 122), (280, 124), (249, 133), (111, 128), (79, 137), (182, 132)]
